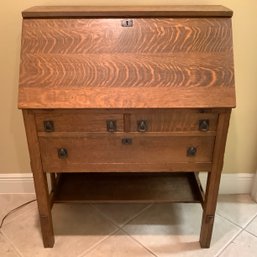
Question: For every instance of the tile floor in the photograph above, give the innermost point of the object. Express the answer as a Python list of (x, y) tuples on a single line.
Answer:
[(122, 230)]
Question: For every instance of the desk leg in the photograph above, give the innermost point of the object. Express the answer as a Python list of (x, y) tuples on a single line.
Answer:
[(213, 181), (40, 180)]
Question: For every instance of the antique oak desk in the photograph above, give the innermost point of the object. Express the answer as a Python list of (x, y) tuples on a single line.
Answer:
[(126, 104)]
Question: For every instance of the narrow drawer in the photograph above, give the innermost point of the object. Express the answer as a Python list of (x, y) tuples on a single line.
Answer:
[(173, 121), (70, 154), (78, 121)]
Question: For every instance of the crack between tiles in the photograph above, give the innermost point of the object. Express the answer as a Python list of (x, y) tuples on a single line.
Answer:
[(230, 221), (119, 228), (248, 225), (14, 248), (127, 221), (249, 233), (242, 229), (105, 216), (91, 248), (134, 239), (249, 222), (228, 243), (136, 215)]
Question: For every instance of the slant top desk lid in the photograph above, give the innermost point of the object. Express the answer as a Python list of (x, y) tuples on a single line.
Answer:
[(127, 57)]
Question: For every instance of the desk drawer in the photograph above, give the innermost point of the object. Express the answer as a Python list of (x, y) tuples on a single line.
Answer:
[(173, 121), (78, 121), (69, 154), (129, 120)]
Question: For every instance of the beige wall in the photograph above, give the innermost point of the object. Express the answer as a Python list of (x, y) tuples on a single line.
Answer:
[(241, 152)]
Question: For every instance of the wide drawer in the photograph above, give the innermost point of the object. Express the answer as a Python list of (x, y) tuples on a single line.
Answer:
[(107, 152)]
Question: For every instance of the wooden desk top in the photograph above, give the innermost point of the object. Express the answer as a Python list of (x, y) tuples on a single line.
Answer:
[(128, 11)]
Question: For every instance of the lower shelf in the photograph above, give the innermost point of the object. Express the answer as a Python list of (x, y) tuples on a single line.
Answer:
[(128, 187)]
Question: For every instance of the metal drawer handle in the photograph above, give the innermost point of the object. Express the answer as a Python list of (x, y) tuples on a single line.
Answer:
[(111, 125), (204, 125), (62, 153), (141, 125), (191, 151), (48, 126), (126, 141)]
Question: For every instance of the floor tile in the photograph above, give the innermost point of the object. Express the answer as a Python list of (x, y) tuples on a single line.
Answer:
[(244, 245), (11, 201), (173, 230), (119, 245), (77, 227), (6, 249), (252, 227), (120, 213), (239, 209)]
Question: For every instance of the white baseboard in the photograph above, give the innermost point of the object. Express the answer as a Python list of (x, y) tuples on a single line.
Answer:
[(254, 188), (17, 183), (231, 183)]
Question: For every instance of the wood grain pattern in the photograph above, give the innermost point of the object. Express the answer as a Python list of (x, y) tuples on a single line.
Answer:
[(102, 97), (128, 11), (40, 180), (79, 120), (95, 120), (213, 181), (145, 150), (98, 54), (126, 70), (152, 35), (88, 187), (172, 120)]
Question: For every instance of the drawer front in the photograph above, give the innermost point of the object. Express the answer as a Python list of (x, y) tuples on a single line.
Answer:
[(78, 121), (131, 121), (75, 154), (173, 121)]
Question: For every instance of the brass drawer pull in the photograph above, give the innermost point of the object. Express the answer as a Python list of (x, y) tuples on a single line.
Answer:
[(141, 125), (48, 126), (126, 141), (204, 125), (62, 153), (191, 151), (111, 125)]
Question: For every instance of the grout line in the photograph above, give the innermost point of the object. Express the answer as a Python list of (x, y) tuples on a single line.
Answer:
[(250, 233), (128, 220), (92, 247), (230, 221), (138, 242), (245, 228), (103, 239), (16, 250), (250, 221), (119, 228), (105, 216), (136, 215), (229, 242)]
